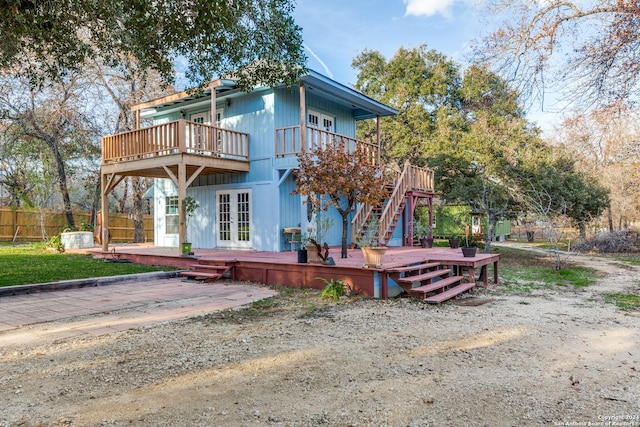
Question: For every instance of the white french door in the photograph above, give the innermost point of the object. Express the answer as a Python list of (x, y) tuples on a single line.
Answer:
[(234, 219), (319, 121)]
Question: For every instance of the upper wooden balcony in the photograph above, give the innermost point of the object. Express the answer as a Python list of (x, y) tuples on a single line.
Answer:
[(151, 151), (289, 142)]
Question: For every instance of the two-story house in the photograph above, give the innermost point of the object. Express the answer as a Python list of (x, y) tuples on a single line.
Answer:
[(235, 153)]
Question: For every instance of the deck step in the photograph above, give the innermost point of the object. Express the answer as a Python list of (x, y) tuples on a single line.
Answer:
[(432, 287), (451, 293), (201, 275), (214, 267), (425, 276), (416, 267)]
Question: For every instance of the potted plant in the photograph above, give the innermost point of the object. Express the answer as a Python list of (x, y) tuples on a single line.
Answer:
[(317, 249), (469, 249), (189, 206), (302, 250), (423, 233), (368, 241), (454, 242)]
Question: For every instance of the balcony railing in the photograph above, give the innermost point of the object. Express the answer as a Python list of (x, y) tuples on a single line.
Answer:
[(181, 136), (289, 143)]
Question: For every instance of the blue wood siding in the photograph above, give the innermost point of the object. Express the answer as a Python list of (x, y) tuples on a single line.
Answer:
[(291, 207), (287, 111)]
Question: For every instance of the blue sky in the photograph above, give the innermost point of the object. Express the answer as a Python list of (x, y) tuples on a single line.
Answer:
[(335, 31)]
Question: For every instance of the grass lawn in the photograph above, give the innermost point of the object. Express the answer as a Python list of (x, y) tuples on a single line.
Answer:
[(33, 263), (523, 272)]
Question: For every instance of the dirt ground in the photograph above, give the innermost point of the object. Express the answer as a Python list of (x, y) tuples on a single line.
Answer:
[(555, 357)]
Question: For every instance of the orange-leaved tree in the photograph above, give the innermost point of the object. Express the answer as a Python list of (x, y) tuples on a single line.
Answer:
[(346, 175)]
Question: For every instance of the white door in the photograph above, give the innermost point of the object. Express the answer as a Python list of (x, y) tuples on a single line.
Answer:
[(234, 219), (198, 135), (322, 122)]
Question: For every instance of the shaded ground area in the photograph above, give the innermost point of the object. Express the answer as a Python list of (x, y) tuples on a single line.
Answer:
[(554, 356)]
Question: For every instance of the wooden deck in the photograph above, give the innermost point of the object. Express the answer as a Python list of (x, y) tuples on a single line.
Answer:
[(282, 267)]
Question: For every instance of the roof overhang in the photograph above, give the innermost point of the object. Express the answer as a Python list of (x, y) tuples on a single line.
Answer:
[(189, 96), (362, 106)]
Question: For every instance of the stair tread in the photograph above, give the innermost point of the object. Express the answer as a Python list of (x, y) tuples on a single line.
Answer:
[(415, 267), (450, 293), (209, 267), (437, 285), (201, 274), (425, 276)]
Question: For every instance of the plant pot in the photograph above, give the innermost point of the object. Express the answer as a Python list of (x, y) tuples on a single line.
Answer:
[(469, 251), (454, 243), (426, 242), (312, 255), (186, 248), (373, 256), (302, 256)]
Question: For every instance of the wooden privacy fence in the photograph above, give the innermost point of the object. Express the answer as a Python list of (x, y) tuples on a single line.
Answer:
[(27, 225)]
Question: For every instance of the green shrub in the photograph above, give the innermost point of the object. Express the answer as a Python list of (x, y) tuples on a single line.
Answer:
[(334, 289)]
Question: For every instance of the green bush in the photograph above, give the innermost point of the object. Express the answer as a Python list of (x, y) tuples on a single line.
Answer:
[(334, 289)]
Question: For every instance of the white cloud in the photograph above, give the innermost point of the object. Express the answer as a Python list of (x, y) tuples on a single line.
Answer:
[(428, 7), (327, 71)]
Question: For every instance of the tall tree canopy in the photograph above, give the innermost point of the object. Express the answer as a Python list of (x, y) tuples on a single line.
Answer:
[(588, 50), (470, 128), (256, 40)]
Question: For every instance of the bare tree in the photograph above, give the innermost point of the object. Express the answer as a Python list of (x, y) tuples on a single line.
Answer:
[(586, 50), (605, 143), (52, 117), (126, 85)]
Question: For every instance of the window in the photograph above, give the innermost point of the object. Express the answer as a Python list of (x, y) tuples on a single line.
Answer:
[(171, 215)]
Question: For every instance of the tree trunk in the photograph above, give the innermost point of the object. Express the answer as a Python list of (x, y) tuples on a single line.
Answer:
[(610, 218), (139, 188), (491, 222), (62, 181), (345, 228)]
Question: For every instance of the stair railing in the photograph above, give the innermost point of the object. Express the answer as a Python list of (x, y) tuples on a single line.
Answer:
[(364, 212), (403, 184), (411, 178)]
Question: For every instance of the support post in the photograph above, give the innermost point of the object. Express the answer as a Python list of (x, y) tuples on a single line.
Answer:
[(213, 102), (378, 137), (104, 195), (182, 194), (303, 118)]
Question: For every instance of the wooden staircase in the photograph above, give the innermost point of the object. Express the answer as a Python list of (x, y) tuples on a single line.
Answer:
[(389, 213), (430, 282), (208, 270)]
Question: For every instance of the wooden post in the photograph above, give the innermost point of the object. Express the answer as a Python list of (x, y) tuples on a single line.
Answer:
[(378, 137), (213, 102), (182, 194), (303, 118), (137, 121), (104, 212), (182, 136)]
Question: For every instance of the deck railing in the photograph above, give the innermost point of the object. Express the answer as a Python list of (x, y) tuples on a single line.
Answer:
[(289, 143), (180, 136)]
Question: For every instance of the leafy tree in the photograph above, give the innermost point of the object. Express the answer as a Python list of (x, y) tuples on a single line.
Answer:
[(548, 183), (423, 86), (256, 40), (346, 176), (589, 51)]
